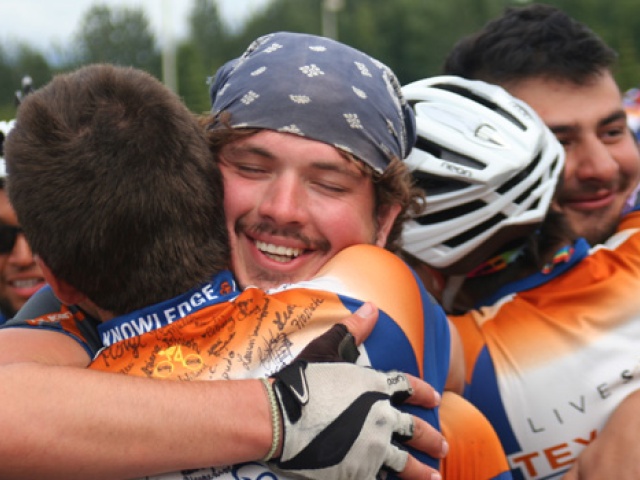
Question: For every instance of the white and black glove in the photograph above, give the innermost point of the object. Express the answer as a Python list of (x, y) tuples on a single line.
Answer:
[(340, 422)]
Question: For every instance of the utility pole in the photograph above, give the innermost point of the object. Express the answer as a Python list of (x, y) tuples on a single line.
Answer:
[(169, 75), (330, 9)]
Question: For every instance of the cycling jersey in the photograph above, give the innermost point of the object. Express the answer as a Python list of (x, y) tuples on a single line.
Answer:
[(548, 358), (216, 332)]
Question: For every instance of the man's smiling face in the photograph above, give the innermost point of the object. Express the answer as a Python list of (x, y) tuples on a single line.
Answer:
[(291, 204), (602, 165)]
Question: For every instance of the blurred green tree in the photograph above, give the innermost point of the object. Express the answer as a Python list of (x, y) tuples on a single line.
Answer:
[(411, 36), (121, 36), (205, 49), (15, 63)]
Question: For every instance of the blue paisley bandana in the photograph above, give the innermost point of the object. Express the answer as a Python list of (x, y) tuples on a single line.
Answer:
[(320, 89)]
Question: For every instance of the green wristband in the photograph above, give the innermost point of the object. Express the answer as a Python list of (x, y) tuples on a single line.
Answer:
[(275, 419)]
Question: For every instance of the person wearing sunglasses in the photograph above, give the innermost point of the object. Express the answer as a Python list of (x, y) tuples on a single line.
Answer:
[(20, 277)]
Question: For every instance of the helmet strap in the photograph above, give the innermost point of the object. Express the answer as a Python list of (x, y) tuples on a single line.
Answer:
[(450, 291), (454, 283), (496, 263)]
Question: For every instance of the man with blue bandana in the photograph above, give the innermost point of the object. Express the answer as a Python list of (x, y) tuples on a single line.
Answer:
[(122, 190), (305, 121), (341, 200)]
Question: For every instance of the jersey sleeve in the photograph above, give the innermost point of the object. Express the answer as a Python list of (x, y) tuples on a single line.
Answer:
[(437, 338), (45, 312)]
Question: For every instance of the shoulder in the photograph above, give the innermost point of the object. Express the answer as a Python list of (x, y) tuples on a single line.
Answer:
[(369, 259), (42, 304), (369, 267), (45, 313), (372, 273)]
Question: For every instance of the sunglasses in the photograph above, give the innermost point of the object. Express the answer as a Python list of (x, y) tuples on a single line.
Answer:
[(8, 237)]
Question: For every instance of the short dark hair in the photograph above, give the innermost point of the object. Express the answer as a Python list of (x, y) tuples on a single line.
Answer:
[(537, 40), (112, 181)]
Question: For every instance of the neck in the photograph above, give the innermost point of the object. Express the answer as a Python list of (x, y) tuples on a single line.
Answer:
[(539, 251), (96, 312), (475, 289)]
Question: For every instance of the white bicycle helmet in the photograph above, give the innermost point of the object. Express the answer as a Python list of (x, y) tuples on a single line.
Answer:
[(5, 128), (488, 165)]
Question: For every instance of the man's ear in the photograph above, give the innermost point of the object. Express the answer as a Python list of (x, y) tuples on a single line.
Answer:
[(386, 218), (66, 293)]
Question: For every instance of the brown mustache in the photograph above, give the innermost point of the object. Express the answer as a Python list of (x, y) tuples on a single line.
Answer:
[(291, 231)]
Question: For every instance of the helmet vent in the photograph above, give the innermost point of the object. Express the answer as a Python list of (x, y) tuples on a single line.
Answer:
[(482, 101), (474, 232), (448, 214), (448, 155), (520, 177), (435, 184)]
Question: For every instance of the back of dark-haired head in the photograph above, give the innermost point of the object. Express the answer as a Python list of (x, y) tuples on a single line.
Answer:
[(533, 41), (114, 186)]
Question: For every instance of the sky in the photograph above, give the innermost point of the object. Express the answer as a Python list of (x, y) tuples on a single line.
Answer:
[(43, 23)]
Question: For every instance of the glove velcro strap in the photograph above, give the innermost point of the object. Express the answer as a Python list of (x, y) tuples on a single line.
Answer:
[(293, 389)]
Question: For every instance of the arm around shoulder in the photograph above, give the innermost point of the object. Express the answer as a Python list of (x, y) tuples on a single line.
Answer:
[(66, 423)]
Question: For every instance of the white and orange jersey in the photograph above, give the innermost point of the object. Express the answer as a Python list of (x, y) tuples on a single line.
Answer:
[(551, 356)]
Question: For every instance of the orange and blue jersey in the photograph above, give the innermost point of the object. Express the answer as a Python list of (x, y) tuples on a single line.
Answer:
[(549, 357), (217, 332)]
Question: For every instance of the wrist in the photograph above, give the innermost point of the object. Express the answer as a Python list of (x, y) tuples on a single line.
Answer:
[(277, 427)]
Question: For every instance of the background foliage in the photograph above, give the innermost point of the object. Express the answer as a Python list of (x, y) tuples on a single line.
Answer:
[(411, 36)]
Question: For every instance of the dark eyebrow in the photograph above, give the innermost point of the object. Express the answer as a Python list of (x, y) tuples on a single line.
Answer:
[(251, 149), (320, 165), (341, 169), (613, 117)]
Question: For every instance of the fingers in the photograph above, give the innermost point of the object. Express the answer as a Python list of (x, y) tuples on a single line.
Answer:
[(572, 474), (405, 388), (360, 323), (424, 438), (396, 459), (404, 427), (427, 439), (423, 395), (412, 430), (416, 470)]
